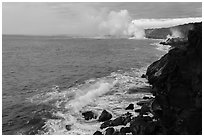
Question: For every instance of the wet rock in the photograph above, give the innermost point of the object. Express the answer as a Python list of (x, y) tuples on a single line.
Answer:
[(122, 120), (143, 76), (68, 127), (109, 131), (105, 115), (140, 103), (118, 121), (106, 124), (175, 42), (116, 132), (138, 126), (137, 110), (89, 115), (125, 130), (130, 107), (98, 133), (146, 97), (144, 109)]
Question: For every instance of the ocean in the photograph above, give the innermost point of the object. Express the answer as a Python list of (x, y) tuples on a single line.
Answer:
[(47, 82)]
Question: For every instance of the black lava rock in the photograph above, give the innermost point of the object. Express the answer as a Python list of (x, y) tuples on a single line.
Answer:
[(68, 127), (146, 97), (122, 120), (137, 110), (143, 76), (98, 133), (106, 124), (89, 115), (125, 130), (130, 107), (109, 131), (105, 115)]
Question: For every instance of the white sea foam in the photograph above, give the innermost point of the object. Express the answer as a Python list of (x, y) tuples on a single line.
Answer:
[(92, 92), (162, 47), (108, 93)]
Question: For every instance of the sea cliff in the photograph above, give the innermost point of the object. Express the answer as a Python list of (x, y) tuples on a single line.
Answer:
[(175, 31), (176, 81), (176, 85)]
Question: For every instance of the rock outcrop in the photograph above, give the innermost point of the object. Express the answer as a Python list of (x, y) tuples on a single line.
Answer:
[(176, 108), (163, 33), (176, 81), (175, 42)]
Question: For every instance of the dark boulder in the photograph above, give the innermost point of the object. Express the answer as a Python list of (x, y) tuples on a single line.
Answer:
[(137, 110), (138, 126), (106, 124), (98, 133), (122, 120), (125, 130), (105, 115), (89, 115), (146, 97), (118, 121), (110, 131), (144, 109), (130, 107), (116, 132), (68, 127), (143, 76)]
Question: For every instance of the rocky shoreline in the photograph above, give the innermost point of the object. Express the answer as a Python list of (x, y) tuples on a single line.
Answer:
[(176, 108)]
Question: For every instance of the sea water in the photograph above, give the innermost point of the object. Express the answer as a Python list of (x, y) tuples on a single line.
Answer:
[(49, 81)]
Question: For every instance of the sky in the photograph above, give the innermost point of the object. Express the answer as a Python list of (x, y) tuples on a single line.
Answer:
[(92, 19)]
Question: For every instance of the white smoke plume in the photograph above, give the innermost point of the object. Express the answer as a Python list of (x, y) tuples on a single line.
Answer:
[(175, 33), (121, 24), (116, 23)]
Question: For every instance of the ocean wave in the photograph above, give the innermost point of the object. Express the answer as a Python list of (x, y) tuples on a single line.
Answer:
[(110, 93)]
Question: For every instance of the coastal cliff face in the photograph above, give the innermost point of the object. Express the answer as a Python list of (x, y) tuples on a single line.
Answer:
[(176, 81), (176, 105), (163, 33)]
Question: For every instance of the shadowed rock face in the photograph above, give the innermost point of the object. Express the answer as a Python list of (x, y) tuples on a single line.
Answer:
[(175, 42), (176, 108), (176, 83)]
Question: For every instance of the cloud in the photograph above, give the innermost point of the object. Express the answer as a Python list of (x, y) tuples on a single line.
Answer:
[(81, 19)]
